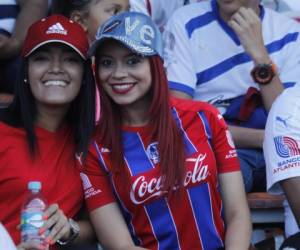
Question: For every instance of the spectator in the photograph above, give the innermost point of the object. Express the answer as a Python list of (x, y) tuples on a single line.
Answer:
[(160, 11), (51, 117), (290, 8), (15, 18), (172, 183), (226, 53), (282, 154), (90, 14)]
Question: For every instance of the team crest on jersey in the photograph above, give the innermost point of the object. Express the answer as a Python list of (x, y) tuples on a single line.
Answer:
[(286, 146), (152, 152)]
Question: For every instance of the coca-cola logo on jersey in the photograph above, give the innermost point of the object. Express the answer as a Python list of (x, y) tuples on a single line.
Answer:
[(145, 188)]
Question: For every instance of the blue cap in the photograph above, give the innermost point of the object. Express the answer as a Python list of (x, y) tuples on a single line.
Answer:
[(34, 185), (134, 30)]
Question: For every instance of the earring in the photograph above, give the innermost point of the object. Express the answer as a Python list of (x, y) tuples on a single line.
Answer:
[(25, 80)]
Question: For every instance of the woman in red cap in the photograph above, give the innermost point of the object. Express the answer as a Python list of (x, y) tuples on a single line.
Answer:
[(169, 164), (51, 118)]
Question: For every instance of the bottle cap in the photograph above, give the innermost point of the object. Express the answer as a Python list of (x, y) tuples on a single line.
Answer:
[(34, 185)]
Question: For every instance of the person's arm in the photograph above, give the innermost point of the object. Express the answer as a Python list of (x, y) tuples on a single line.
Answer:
[(247, 137), (30, 11), (111, 229), (247, 25), (180, 94), (87, 233), (291, 188), (237, 215)]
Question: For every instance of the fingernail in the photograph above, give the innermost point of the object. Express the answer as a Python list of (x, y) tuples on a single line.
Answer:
[(48, 240), (52, 242), (42, 230), (45, 217)]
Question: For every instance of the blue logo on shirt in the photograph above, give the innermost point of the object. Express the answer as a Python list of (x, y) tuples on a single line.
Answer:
[(286, 146)]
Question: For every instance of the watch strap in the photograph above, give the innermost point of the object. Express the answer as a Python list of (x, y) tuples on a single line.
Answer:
[(74, 233)]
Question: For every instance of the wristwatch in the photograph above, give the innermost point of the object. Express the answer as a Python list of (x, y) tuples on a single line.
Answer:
[(263, 73), (75, 229)]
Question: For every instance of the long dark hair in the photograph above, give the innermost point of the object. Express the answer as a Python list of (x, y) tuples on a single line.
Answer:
[(81, 115), (164, 129)]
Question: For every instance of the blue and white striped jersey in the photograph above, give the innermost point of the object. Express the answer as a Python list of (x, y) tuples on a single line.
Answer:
[(205, 59)]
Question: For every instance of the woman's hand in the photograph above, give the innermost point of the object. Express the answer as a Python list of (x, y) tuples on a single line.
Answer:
[(57, 224), (30, 246)]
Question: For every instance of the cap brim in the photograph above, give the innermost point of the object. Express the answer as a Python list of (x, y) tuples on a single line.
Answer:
[(143, 50), (55, 41)]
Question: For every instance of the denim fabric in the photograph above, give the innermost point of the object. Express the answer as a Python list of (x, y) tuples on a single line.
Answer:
[(9, 71), (253, 169)]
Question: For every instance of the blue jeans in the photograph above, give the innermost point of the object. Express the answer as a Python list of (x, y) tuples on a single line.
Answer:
[(253, 169)]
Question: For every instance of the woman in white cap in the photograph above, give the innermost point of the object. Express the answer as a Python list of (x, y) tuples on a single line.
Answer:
[(170, 164), (51, 118)]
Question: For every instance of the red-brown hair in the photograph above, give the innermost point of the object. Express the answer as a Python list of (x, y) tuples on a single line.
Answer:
[(164, 128)]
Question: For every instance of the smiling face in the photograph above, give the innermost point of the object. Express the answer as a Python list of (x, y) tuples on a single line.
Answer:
[(101, 11), (125, 76), (55, 73)]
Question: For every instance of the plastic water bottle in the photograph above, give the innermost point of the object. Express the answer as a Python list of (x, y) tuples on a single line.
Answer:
[(32, 214)]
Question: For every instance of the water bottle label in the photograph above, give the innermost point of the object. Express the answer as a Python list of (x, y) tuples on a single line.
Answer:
[(34, 220), (30, 224)]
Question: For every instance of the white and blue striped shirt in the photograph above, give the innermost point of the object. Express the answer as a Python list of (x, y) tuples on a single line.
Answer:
[(9, 10), (205, 59)]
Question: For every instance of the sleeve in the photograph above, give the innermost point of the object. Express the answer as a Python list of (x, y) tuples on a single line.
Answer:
[(139, 6), (289, 60), (222, 144), (98, 190), (178, 56), (282, 139)]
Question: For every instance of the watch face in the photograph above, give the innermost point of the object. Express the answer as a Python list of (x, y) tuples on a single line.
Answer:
[(263, 73)]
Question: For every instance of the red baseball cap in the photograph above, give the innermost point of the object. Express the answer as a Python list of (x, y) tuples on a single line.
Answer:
[(58, 29)]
